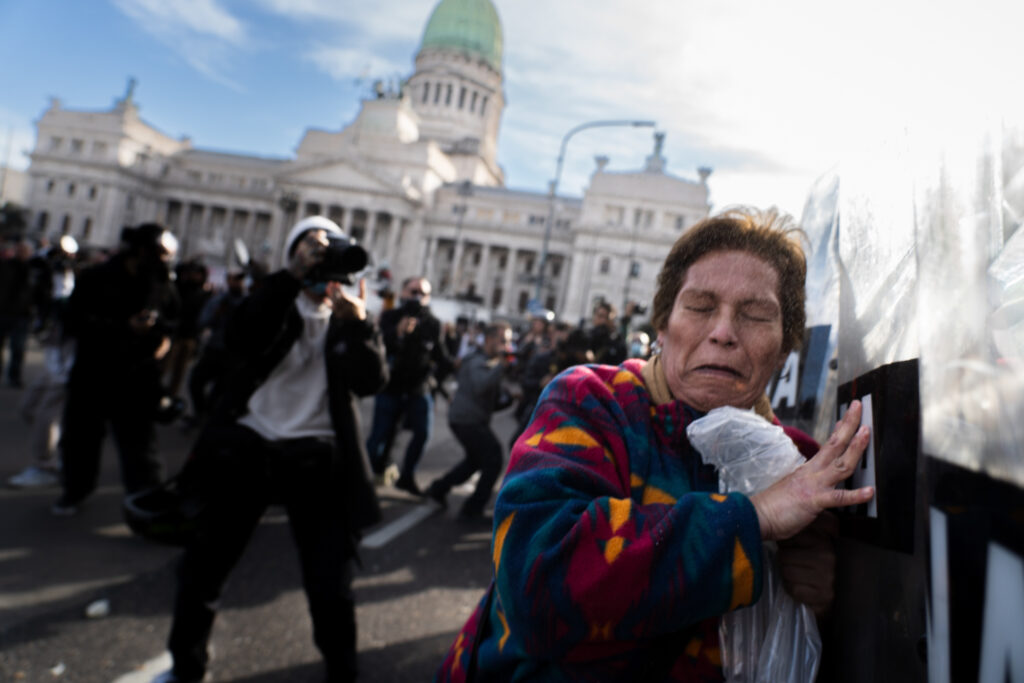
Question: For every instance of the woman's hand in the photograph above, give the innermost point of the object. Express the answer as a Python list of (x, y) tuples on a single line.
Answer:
[(344, 304), (796, 500), (808, 564)]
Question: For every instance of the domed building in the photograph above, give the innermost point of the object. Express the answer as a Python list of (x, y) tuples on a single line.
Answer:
[(415, 177)]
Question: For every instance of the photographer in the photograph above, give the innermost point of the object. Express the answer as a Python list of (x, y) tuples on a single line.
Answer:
[(286, 431), (418, 358), (121, 315)]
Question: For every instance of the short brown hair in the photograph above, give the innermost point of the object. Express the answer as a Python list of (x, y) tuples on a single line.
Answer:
[(768, 234)]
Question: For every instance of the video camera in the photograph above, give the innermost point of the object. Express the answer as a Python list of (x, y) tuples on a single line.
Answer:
[(342, 257)]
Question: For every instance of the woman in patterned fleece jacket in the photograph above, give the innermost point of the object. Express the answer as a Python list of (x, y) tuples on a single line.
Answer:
[(613, 553)]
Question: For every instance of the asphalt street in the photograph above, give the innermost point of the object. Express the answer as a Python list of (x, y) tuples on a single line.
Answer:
[(417, 585)]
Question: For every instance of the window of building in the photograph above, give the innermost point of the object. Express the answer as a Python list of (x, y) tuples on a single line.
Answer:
[(496, 297), (562, 223), (634, 269), (483, 105), (613, 215), (77, 146), (86, 228), (638, 215), (55, 142), (511, 217), (49, 186), (462, 97), (437, 93), (556, 268), (485, 214), (99, 149), (605, 265), (680, 222), (426, 91), (42, 220), (476, 258), (215, 178), (472, 102), (524, 299), (502, 261), (536, 219), (71, 189), (648, 218), (194, 176), (528, 265), (549, 303), (448, 95), (258, 184), (92, 192), (65, 224), (129, 201)]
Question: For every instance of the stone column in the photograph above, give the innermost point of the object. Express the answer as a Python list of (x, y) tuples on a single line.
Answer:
[(397, 225), (460, 247), (428, 261), (510, 269), (483, 282), (371, 229), (346, 221)]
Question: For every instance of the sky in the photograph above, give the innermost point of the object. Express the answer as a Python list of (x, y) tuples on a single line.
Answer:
[(769, 95)]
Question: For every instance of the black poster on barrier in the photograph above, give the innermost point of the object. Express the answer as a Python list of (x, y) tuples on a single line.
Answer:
[(976, 577), (891, 403), (795, 391)]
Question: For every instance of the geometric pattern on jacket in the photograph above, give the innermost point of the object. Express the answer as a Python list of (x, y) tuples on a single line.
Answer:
[(613, 552)]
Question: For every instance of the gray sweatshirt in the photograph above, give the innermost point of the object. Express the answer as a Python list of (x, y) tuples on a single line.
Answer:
[(479, 385)]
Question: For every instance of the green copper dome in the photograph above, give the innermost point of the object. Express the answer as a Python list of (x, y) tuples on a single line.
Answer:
[(468, 25)]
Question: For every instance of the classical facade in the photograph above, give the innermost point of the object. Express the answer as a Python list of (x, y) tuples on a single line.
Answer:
[(415, 178)]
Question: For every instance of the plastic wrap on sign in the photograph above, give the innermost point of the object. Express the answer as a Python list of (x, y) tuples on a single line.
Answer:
[(776, 639), (971, 298)]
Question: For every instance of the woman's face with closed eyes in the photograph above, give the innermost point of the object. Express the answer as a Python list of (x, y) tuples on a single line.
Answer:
[(723, 339)]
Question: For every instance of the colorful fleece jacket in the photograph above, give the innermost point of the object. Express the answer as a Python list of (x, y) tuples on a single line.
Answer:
[(613, 552)]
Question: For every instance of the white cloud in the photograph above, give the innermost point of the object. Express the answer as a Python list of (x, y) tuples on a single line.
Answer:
[(203, 17), (401, 20), (17, 138), (201, 32), (342, 63)]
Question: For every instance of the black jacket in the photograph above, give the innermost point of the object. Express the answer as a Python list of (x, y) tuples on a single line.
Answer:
[(105, 298), (415, 359), (259, 335)]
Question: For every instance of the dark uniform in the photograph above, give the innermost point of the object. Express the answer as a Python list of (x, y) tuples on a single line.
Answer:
[(116, 377)]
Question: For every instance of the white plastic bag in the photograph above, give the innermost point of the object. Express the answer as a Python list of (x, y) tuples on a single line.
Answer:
[(776, 639)]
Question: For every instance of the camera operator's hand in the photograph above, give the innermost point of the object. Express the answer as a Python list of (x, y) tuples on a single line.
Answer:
[(143, 321), (308, 253), (345, 305), (406, 325)]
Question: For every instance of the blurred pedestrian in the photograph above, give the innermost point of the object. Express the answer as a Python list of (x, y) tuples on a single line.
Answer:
[(605, 339), (16, 299), (121, 315), (479, 394), (286, 431), (418, 359), (194, 290), (214, 360), (42, 407)]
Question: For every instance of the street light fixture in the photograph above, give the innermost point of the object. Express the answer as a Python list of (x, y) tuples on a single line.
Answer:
[(464, 190), (553, 188)]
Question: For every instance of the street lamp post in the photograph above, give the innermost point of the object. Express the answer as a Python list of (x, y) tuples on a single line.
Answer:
[(553, 188), (464, 190)]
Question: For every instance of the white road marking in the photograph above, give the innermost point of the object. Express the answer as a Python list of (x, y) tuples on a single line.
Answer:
[(390, 532), (148, 671)]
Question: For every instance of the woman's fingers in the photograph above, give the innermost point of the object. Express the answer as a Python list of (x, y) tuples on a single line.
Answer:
[(845, 430)]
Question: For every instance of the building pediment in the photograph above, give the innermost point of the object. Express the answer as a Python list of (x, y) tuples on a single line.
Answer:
[(340, 174)]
